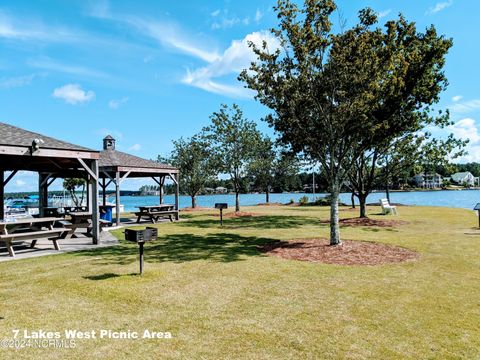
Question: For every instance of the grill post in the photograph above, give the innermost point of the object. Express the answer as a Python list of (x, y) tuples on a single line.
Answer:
[(140, 247)]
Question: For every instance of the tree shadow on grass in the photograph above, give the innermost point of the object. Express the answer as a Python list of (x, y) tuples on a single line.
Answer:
[(258, 222), (179, 248), (107, 276)]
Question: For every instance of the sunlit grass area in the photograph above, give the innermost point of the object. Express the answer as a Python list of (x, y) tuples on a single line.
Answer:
[(222, 298)]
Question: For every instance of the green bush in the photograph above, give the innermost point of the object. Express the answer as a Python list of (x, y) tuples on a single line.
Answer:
[(303, 200)]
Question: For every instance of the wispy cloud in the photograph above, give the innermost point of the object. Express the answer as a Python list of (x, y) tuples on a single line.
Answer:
[(135, 147), (167, 33), (46, 63), (170, 35), (439, 7), (19, 81), (224, 20), (258, 16), (235, 58), (73, 94), (465, 107), (457, 98), (115, 104), (384, 13), (21, 29)]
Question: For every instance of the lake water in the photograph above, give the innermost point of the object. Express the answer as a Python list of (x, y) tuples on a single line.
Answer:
[(460, 199)]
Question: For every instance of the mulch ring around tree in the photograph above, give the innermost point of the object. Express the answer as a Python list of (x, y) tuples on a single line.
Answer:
[(368, 222), (348, 253)]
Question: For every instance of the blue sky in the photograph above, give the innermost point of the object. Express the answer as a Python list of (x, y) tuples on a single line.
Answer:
[(148, 72)]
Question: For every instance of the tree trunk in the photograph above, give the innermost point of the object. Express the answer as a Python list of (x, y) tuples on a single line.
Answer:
[(267, 195), (387, 191), (353, 200), (237, 201), (334, 227), (362, 199), (194, 202)]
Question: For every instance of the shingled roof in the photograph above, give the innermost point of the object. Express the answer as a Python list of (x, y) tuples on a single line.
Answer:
[(14, 136), (115, 158)]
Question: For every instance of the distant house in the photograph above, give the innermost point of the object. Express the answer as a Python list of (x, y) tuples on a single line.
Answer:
[(464, 178), (428, 181), (221, 190)]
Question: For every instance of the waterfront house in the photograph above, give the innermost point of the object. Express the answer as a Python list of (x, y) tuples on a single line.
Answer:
[(428, 181), (465, 178)]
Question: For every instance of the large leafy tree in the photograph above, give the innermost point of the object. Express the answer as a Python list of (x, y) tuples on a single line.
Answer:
[(271, 167), (335, 96), (234, 140), (197, 162)]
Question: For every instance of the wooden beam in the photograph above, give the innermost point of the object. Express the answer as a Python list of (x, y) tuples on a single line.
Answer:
[(45, 179), (50, 182), (86, 167), (157, 181), (52, 153), (7, 180), (107, 175), (125, 176), (173, 178)]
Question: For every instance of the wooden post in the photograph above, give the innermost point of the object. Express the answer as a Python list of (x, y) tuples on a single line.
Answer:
[(2, 194), (42, 193), (161, 182), (94, 202), (177, 196), (104, 187), (478, 218), (117, 198)]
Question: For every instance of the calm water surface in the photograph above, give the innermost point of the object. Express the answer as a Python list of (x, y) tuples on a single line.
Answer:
[(460, 199)]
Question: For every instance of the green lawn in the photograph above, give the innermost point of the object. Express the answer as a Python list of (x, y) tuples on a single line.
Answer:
[(221, 298)]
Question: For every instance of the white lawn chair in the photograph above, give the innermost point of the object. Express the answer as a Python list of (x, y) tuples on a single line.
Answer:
[(387, 208)]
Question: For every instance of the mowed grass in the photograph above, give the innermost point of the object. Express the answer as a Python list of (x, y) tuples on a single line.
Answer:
[(221, 298)]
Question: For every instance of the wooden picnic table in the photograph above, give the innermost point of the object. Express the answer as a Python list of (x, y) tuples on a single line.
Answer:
[(31, 229), (81, 220), (154, 212)]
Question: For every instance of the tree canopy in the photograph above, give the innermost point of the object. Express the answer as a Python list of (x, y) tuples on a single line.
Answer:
[(334, 96)]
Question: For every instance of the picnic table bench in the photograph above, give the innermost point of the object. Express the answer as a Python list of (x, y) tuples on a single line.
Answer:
[(153, 213), (32, 229), (81, 220)]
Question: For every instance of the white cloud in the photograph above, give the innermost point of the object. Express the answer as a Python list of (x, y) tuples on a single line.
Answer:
[(234, 59), (384, 13), (457, 98), (17, 81), (258, 16), (46, 63), (115, 104), (73, 94), (168, 34), (215, 13), (20, 182), (439, 7), (135, 147), (466, 129), (28, 29), (466, 106)]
